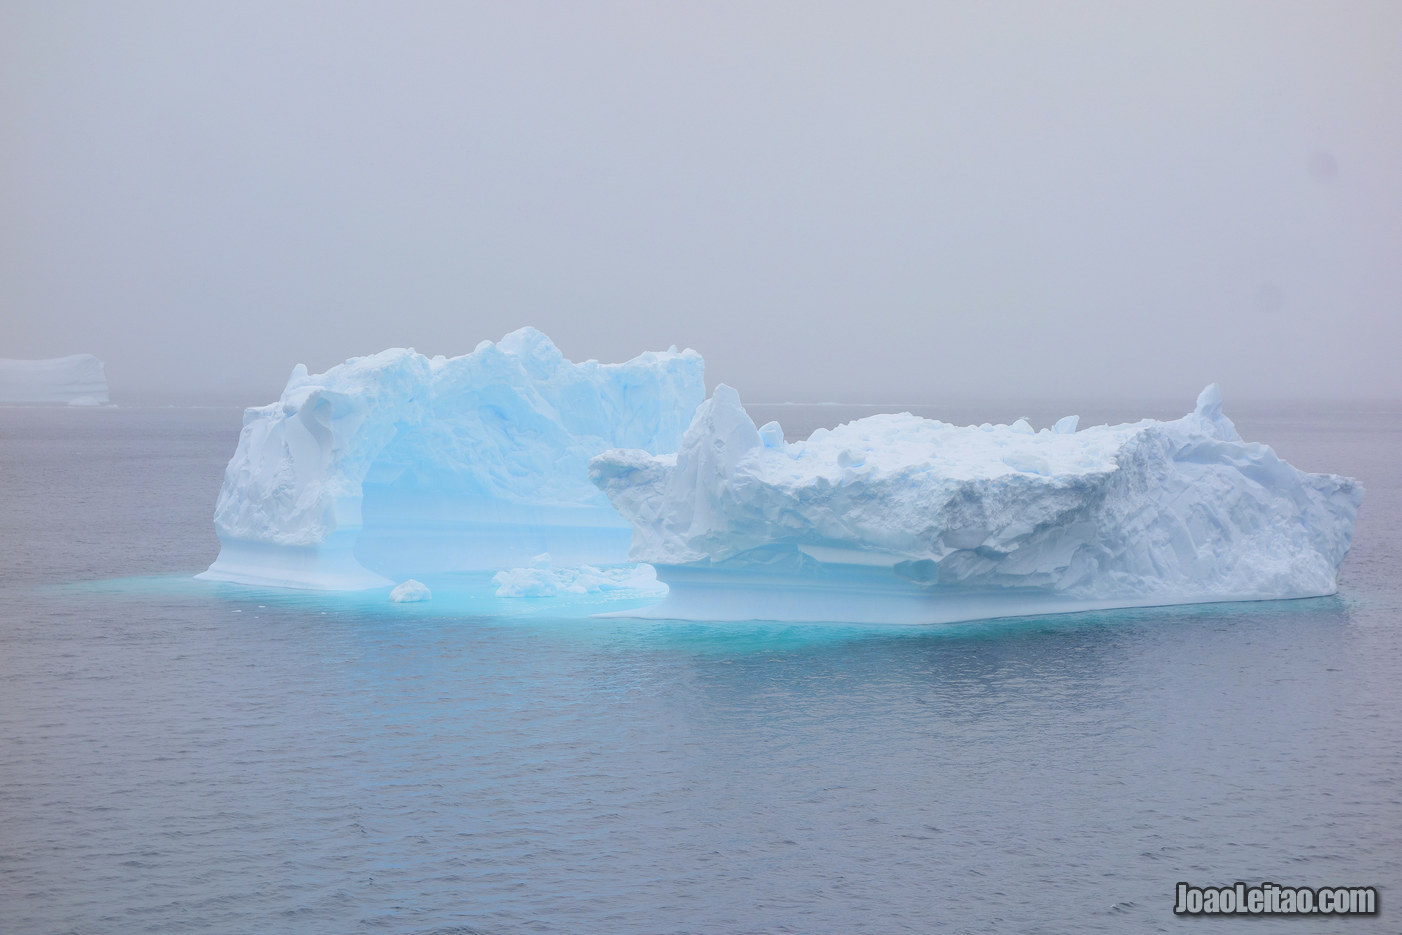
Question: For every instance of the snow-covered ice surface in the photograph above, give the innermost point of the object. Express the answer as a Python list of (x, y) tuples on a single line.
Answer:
[(397, 465), (894, 518), (76, 380)]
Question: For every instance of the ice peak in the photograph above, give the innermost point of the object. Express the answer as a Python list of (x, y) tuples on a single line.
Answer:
[(526, 339), (722, 425), (1209, 409), (1210, 402), (537, 353)]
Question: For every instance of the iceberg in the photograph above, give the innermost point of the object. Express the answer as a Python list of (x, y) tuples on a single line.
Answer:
[(895, 518), (76, 380), (398, 465)]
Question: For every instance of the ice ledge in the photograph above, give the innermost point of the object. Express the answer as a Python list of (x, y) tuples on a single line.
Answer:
[(870, 593), (327, 566)]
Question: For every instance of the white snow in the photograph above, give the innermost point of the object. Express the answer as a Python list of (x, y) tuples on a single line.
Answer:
[(76, 380), (542, 579), (902, 519), (408, 592), (397, 464)]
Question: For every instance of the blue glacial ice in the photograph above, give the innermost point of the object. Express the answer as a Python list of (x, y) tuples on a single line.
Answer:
[(397, 465), (895, 518), (76, 380)]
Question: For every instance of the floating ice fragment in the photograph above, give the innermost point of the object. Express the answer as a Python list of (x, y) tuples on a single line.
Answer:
[(410, 591), (542, 579)]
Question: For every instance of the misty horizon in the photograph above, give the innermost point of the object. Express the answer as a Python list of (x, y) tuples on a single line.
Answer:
[(1160, 405), (898, 204)]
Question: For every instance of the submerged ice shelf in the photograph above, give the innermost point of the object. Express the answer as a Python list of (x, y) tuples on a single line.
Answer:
[(895, 518), (397, 465)]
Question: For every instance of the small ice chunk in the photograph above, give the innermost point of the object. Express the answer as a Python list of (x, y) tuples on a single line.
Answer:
[(410, 591), (1066, 425), (544, 580), (526, 582), (772, 435)]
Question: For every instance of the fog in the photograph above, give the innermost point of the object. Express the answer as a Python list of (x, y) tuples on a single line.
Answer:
[(856, 202)]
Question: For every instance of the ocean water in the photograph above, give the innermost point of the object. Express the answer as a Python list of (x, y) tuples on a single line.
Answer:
[(177, 756)]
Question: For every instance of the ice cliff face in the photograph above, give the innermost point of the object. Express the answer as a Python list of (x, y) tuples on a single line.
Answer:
[(895, 517), (76, 380), (397, 464)]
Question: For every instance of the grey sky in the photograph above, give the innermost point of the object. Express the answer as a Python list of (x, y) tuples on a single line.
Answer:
[(861, 202)]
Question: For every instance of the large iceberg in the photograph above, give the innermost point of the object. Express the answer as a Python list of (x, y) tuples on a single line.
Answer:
[(75, 380), (895, 518), (397, 465)]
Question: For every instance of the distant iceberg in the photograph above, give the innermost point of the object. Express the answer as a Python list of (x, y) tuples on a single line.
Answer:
[(397, 465), (76, 380), (895, 518)]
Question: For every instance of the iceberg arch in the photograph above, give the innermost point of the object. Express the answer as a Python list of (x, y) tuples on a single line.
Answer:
[(396, 464), (895, 518)]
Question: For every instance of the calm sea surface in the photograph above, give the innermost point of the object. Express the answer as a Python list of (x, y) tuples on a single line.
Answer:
[(177, 756)]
